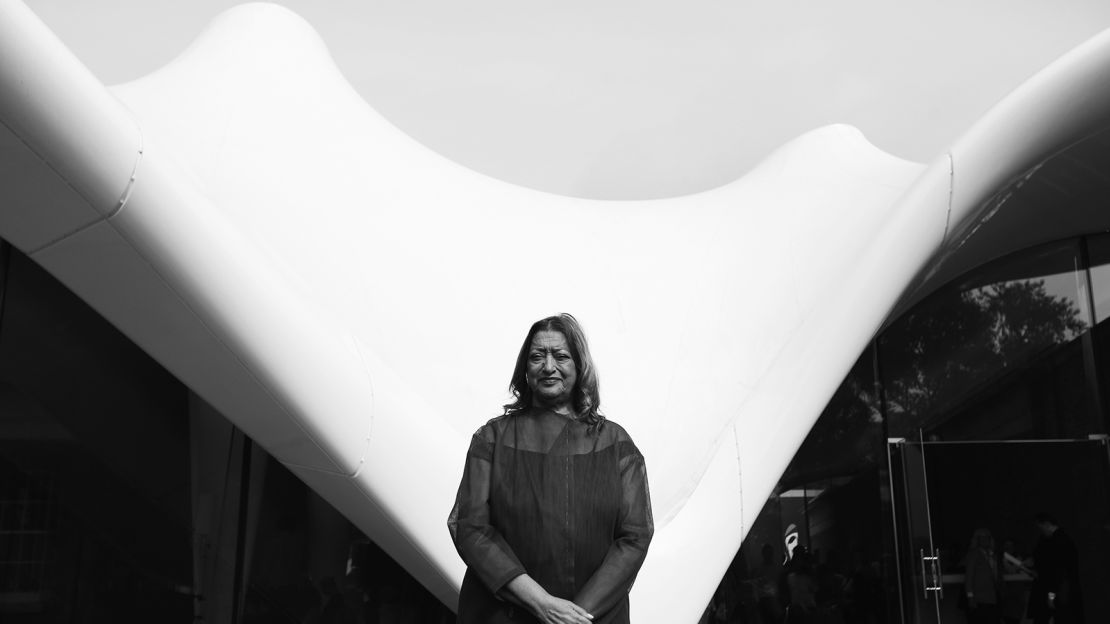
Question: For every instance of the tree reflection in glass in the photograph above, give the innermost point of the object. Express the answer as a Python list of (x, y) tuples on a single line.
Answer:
[(991, 356)]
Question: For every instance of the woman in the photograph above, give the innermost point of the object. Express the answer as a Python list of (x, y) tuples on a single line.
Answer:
[(981, 580), (552, 516)]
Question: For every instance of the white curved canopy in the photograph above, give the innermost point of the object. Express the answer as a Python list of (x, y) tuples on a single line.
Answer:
[(340, 292)]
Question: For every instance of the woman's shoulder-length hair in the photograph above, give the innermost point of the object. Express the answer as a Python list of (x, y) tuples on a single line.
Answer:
[(585, 395)]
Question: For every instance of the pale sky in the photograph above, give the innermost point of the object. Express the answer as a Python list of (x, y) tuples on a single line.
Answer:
[(632, 99)]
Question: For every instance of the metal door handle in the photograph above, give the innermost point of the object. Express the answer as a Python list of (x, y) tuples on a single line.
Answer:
[(930, 574)]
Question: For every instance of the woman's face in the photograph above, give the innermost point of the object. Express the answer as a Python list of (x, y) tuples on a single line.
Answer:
[(551, 372)]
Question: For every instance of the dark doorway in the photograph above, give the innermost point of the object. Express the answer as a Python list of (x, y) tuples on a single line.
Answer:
[(947, 491)]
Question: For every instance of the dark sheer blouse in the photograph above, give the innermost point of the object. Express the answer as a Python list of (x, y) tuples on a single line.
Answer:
[(542, 495)]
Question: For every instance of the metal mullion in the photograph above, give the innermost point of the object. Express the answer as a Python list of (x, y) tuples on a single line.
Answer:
[(894, 523), (1090, 353)]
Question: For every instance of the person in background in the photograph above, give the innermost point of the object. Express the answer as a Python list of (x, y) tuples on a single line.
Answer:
[(981, 580), (801, 585), (767, 586), (1055, 593)]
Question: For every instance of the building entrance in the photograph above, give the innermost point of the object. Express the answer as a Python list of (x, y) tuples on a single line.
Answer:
[(963, 517)]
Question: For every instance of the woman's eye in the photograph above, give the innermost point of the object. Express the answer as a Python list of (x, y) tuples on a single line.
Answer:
[(563, 357)]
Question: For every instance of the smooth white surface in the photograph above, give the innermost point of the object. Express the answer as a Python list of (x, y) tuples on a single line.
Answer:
[(67, 161), (635, 99), (35, 189), (354, 302), (91, 141)]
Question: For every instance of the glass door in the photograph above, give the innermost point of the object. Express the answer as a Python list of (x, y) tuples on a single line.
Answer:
[(919, 566), (950, 499)]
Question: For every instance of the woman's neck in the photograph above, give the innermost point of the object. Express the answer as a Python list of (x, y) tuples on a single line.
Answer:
[(562, 409)]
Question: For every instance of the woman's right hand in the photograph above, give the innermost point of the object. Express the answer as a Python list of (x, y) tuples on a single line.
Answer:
[(554, 610), (549, 609)]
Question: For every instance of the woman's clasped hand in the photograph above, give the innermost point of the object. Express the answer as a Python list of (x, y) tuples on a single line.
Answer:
[(559, 611), (547, 608)]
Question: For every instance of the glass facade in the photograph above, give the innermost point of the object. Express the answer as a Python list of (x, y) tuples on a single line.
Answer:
[(827, 513), (975, 410), (998, 355), (125, 498)]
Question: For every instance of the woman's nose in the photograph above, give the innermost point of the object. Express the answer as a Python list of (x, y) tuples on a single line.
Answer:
[(549, 363)]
